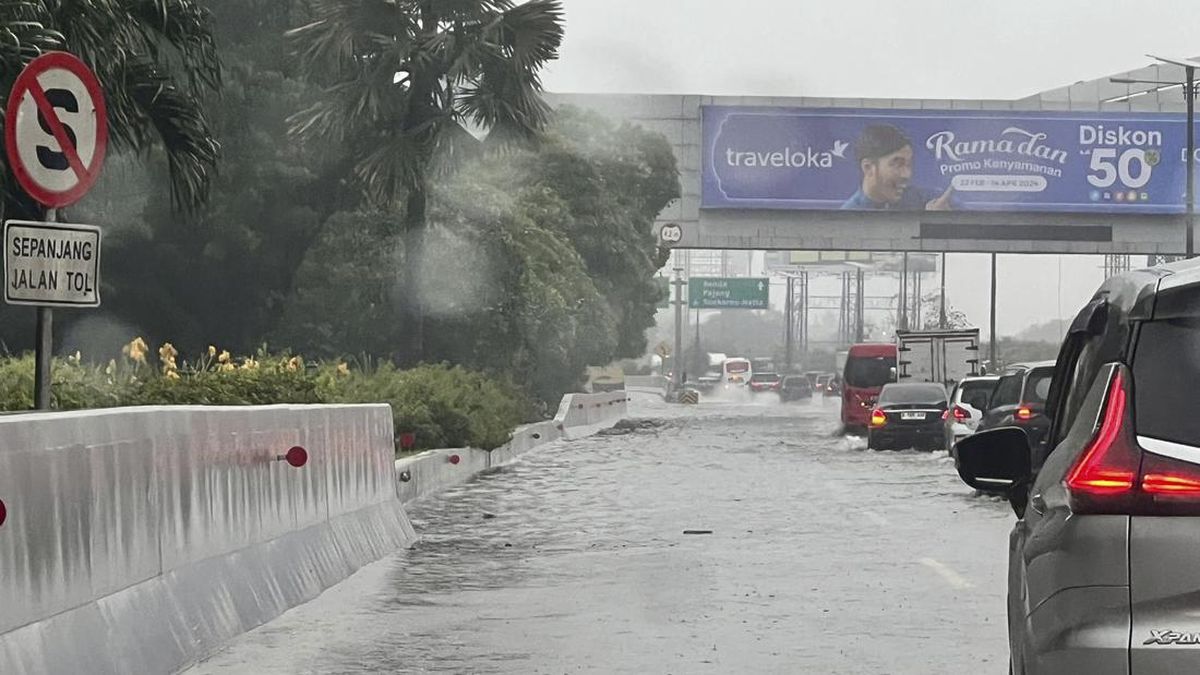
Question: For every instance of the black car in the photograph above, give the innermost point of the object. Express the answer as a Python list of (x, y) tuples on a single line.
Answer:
[(908, 415), (1019, 400), (1102, 573), (795, 388)]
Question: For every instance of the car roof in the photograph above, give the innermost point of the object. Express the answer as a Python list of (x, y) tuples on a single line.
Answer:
[(910, 385), (979, 378), (1014, 368), (873, 349)]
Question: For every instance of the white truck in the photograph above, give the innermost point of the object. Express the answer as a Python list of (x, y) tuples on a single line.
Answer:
[(942, 356)]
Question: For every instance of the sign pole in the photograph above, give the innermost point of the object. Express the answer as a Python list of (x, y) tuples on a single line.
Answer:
[(992, 330), (1189, 93), (45, 345), (677, 358)]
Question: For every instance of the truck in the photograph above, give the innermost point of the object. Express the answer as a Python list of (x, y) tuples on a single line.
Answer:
[(944, 356)]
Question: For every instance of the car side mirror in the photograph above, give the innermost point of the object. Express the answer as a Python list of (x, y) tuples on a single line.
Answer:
[(997, 461)]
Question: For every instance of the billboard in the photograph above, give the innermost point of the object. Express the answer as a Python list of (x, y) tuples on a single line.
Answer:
[(916, 160)]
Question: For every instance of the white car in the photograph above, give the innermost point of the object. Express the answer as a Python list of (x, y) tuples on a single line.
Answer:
[(968, 401)]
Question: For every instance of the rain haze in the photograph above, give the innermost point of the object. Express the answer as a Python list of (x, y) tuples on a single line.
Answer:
[(860, 49)]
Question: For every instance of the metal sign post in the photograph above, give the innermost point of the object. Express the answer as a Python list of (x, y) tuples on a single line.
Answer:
[(55, 135)]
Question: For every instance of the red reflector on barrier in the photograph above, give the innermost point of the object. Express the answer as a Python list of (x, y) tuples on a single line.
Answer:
[(3, 512), (455, 459), (297, 456)]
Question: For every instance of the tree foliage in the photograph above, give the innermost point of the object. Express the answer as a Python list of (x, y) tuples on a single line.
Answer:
[(539, 254)]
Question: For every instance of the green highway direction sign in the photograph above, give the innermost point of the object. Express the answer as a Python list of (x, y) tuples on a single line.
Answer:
[(725, 293)]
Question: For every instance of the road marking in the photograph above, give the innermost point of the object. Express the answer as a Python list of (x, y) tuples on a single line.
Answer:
[(950, 576), (876, 518)]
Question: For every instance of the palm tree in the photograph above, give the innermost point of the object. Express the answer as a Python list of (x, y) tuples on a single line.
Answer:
[(405, 79), (154, 59)]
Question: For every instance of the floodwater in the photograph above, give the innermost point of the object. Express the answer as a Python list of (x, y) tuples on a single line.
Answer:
[(721, 538)]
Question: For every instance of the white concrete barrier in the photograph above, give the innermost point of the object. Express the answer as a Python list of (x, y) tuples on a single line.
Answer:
[(648, 384), (578, 415), (139, 540)]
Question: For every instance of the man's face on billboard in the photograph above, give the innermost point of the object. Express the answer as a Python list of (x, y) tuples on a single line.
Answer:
[(885, 179)]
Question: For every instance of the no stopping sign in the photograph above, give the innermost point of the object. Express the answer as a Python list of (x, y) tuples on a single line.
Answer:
[(56, 129)]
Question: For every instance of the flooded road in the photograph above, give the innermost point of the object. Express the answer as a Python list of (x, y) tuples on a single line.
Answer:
[(722, 538)]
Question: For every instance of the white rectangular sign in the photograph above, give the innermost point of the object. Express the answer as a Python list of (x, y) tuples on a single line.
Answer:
[(51, 264)]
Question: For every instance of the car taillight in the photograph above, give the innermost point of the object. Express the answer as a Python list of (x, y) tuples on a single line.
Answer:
[(1024, 413), (961, 414), (878, 418), (1114, 475)]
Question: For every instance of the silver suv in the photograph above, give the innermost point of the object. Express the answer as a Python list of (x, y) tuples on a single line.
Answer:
[(1103, 561)]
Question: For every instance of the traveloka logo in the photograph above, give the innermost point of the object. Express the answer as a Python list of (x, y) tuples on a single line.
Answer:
[(786, 158)]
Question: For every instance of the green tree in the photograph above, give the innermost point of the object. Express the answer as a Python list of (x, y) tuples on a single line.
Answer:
[(614, 180), (221, 274), (402, 80)]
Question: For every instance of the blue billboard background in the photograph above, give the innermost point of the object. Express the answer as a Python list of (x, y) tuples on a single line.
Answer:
[(797, 158)]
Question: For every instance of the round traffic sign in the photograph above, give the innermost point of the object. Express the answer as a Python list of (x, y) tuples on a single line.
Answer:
[(671, 233), (56, 129)]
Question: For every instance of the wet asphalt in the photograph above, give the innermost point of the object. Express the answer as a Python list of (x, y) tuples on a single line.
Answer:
[(730, 537)]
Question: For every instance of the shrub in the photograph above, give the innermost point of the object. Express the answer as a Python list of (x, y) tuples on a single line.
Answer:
[(443, 406)]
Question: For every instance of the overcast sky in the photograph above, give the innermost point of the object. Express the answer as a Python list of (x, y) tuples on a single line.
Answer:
[(910, 49)]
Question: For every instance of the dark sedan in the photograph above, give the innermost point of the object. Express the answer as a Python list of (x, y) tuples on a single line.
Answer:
[(795, 388), (908, 415)]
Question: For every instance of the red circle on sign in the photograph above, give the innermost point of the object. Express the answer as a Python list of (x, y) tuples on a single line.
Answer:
[(27, 84), (297, 457)]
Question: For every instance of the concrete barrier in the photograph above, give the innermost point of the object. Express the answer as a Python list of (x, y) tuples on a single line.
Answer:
[(139, 540), (579, 415), (648, 384)]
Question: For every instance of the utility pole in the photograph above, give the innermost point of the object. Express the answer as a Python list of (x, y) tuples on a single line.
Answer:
[(942, 293), (992, 338), (790, 324), (1189, 90), (902, 324), (677, 357)]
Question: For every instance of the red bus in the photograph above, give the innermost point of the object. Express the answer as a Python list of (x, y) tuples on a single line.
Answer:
[(868, 368)]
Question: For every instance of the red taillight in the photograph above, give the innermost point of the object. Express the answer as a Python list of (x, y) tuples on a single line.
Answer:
[(961, 414), (1114, 474), (1024, 413), (878, 418), (1108, 465)]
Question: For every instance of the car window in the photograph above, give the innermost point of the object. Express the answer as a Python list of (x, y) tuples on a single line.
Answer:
[(1008, 391), (869, 371), (976, 393), (1037, 385), (913, 393), (1166, 366)]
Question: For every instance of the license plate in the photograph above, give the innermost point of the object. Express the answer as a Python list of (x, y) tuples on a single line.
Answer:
[(912, 416)]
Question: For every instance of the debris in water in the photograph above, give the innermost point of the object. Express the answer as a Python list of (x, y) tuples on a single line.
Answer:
[(629, 426)]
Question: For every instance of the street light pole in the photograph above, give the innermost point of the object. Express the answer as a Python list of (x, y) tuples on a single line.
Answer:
[(677, 357), (1189, 90)]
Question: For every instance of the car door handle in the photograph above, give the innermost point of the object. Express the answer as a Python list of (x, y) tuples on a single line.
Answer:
[(1038, 504)]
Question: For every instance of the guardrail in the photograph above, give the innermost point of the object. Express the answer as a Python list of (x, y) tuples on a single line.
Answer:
[(139, 540)]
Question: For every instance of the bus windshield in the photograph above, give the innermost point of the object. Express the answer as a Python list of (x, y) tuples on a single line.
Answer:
[(869, 371)]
